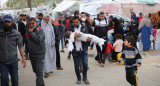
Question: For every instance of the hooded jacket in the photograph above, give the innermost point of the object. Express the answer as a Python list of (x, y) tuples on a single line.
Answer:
[(8, 46)]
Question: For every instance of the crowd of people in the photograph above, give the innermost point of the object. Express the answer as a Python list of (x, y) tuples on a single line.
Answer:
[(38, 40)]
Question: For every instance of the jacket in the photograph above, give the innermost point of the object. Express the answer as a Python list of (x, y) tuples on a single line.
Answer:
[(57, 35), (109, 48), (118, 45), (61, 29), (8, 46), (35, 42), (22, 28), (101, 29), (83, 30)]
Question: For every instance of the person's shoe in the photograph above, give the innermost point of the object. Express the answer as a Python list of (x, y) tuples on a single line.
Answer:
[(86, 81), (69, 56), (51, 72), (102, 65), (46, 75), (91, 48), (98, 61), (62, 51), (60, 68), (78, 81)]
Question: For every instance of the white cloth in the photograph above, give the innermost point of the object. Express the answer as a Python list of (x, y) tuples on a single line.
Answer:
[(107, 17), (100, 23), (24, 22), (50, 55), (83, 38), (78, 43)]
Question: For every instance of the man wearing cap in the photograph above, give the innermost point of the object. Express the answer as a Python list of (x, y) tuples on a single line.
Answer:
[(35, 49), (10, 39), (133, 15), (22, 25)]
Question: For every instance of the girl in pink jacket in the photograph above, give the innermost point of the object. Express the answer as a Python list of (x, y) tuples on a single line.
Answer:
[(118, 45)]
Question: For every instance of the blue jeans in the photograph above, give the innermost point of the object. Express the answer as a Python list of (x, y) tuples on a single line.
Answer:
[(62, 42), (12, 69), (83, 56)]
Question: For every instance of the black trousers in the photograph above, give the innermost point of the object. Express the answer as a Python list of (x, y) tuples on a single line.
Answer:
[(115, 56), (131, 76), (37, 63), (99, 54), (58, 60)]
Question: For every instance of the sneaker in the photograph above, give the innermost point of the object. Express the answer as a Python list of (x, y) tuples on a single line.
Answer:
[(98, 61), (101, 65), (86, 81), (62, 51), (69, 56), (78, 81), (46, 75), (60, 68), (91, 48)]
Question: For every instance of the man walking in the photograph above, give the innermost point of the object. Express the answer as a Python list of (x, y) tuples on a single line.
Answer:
[(10, 39), (80, 50), (50, 55), (35, 47)]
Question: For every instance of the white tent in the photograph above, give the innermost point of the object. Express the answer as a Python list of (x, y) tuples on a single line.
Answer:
[(65, 5)]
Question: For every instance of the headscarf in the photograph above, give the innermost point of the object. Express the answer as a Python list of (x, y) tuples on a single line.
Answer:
[(145, 21)]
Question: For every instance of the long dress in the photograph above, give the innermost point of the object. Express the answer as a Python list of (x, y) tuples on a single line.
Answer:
[(50, 55), (146, 37)]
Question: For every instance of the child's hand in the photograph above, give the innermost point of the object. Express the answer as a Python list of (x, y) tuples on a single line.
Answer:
[(117, 63), (138, 65)]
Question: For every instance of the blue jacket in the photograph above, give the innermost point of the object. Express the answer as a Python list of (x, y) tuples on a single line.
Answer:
[(83, 30), (133, 16)]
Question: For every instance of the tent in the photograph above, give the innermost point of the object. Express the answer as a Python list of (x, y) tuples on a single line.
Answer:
[(65, 5)]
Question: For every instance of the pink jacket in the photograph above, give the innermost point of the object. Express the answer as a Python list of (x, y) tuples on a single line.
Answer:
[(118, 45)]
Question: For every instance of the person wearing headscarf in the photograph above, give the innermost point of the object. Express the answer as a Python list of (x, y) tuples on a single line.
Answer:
[(146, 29), (117, 27)]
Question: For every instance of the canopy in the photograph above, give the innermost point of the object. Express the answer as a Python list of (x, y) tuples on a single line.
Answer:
[(148, 1), (64, 5)]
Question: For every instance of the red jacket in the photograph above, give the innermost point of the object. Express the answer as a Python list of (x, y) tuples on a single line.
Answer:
[(109, 48)]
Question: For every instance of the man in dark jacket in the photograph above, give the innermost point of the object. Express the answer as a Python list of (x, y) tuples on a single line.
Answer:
[(100, 30), (80, 50), (10, 39), (35, 47), (22, 26), (1, 23)]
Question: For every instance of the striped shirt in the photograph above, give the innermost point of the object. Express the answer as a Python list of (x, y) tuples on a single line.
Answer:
[(132, 57)]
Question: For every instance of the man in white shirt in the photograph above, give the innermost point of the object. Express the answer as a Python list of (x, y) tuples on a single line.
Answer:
[(80, 50)]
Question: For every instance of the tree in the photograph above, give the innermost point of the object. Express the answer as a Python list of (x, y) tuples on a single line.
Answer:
[(29, 4)]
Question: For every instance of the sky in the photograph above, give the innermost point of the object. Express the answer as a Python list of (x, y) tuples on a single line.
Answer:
[(3, 1)]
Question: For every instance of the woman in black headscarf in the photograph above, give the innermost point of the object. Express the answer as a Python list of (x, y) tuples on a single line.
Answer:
[(117, 27)]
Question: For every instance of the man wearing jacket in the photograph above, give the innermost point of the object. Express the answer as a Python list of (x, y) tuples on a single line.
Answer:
[(80, 50), (10, 39), (22, 26), (35, 47), (100, 30)]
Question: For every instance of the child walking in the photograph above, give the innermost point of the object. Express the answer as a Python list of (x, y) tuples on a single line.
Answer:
[(118, 46), (108, 54), (133, 60)]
